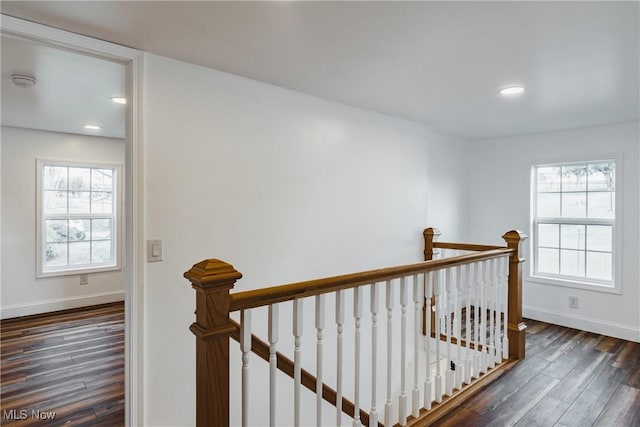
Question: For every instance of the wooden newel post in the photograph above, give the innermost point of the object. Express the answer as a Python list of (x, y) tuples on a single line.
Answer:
[(212, 279), (516, 327), (430, 236)]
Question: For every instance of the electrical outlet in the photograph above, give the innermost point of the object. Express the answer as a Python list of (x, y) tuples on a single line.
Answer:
[(573, 302), (84, 279)]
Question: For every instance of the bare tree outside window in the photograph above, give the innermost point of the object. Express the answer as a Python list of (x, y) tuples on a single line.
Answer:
[(78, 217)]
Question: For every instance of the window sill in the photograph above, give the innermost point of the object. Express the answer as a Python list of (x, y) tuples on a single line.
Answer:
[(609, 289), (78, 271)]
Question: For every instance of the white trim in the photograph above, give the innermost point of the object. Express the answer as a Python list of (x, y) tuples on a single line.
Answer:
[(77, 42), (603, 327), (134, 246), (133, 192), (576, 284), (45, 306)]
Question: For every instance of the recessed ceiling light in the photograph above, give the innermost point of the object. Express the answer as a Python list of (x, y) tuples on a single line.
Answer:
[(119, 100), (512, 90), (92, 127)]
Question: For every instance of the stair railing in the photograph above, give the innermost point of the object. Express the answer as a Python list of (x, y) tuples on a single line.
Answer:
[(475, 321)]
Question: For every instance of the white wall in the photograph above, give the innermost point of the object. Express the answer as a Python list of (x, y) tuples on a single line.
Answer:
[(500, 192), (282, 185), (22, 293), (448, 187)]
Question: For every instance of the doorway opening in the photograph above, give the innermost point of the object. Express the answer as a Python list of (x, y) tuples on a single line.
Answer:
[(78, 202)]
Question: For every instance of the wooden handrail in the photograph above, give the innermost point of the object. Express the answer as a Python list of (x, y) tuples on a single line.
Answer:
[(276, 294), (465, 246), (284, 364)]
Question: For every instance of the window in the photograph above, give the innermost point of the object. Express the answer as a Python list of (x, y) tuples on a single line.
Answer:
[(78, 218), (574, 222)]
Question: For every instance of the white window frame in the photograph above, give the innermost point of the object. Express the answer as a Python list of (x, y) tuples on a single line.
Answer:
[(116, 237), (613, 286)]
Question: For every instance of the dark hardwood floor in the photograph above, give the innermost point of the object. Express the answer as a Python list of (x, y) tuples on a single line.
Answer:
[(569, 378), (70, 363)]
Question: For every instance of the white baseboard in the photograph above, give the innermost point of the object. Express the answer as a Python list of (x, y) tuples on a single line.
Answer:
[(612, 329), (37, 307)]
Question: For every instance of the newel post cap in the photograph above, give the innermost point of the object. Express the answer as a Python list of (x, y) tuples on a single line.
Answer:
[(212, 273), (514, 236), (432, 232)]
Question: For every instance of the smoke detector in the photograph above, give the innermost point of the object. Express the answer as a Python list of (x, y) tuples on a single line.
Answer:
[(23, 81)]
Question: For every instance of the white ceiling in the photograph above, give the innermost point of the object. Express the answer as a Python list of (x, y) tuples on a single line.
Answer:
[(71, 90), (440, 63)]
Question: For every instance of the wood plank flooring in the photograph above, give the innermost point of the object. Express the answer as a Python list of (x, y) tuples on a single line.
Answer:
[(569, 378), (70, 363)]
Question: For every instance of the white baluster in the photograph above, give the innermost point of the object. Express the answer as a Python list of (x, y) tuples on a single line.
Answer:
[(478, 294), (483, 326), (417, 302), (458, 329), (402, 400), (467, 278), (428, 294), (505, 295), (339, 323), (245, 347), (273, 362), (319, 344), (437, 290), (497, 355), (492, 313), (388, 407), (488, 293), (449, 325), (298, 321), (357, 314), (482, 319), (373, 414)]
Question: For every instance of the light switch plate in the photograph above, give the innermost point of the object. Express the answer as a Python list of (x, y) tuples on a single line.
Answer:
[(154, 250), (84, 279)]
